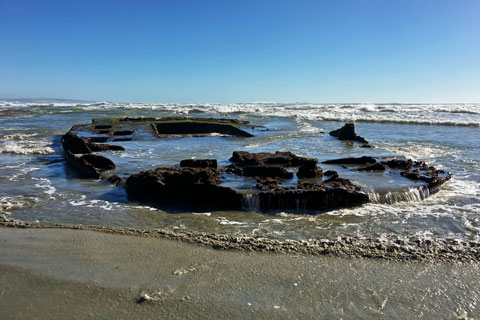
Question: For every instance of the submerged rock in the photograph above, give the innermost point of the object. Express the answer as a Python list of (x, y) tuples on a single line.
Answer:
[(199, 163), (267, 171), (431, 176), (361, 160), (374, 167), (366, 146), (347, 132), (413, 170)]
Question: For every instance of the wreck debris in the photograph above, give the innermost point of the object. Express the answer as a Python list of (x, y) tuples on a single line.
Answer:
[(184, 187), (199, 163), (347, 132), (284, 181), (413, 170), (80, 154), (163, 129)]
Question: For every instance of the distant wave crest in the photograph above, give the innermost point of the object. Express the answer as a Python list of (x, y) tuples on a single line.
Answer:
[(425, 114)]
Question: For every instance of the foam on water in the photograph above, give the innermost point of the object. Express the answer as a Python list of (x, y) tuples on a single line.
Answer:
[(83, 201), (10, 203), (46, 185), (24, 144), (420, 151), (225, 221), (433, 114)]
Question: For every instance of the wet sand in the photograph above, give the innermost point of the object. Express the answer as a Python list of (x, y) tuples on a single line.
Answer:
[(62, 273)]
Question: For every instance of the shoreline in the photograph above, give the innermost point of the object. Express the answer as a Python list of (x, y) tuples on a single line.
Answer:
[(384, 247), (56, 273)]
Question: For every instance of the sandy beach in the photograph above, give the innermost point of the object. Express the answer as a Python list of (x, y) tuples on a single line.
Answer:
[(61, 273)]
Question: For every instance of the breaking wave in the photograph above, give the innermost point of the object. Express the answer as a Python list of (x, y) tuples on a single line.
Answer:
[(23, 144), (424, 114)]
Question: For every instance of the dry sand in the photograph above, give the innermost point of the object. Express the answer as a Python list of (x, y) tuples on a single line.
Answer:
[(62, 273)]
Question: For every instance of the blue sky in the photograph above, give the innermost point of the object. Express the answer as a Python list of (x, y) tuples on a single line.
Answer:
[(241, 51)]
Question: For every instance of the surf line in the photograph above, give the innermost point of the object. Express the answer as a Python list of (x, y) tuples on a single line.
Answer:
[(386, 247)]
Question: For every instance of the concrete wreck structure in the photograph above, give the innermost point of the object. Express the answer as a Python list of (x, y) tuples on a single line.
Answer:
[(283, 181)]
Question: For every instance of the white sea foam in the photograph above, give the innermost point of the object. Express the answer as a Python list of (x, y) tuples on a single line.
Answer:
[(24, 144), (9, 203), (23, 171), (46, 185), (95, 203), (207, 214), (419, 151), (438, 114), (225, 221), (454, 199)]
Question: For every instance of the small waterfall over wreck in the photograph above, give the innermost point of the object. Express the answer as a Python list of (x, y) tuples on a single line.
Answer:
[(409, 195)]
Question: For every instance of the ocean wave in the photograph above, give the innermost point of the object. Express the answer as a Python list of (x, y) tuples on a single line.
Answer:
[(420, 151), (424, 114), (460, 123), (23, 144)]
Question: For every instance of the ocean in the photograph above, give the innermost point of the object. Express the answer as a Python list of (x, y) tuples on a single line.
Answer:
[(38, 185)]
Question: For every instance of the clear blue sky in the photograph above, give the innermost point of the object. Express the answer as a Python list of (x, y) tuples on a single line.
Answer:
[(241, 51)]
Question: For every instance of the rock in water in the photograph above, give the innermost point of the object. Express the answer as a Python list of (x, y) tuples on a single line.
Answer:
[(187, 187), (347, 132), (267, 172), (309, 171), (199, 163), (374, 167), (362, 160), (279, 158)]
